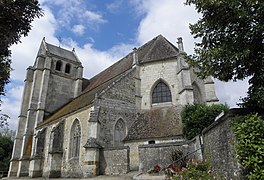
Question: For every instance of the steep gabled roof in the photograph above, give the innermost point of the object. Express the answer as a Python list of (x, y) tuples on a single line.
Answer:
[(111, 72), (57, 51), (157, 49)]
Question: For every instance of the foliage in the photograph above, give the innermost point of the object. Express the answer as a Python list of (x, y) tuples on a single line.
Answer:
[(5, 69), (232, 45), (15, 22), (5, 131), (16, 17), (6, 146), (3, 119), (199, 116), (194, 170), (201, 170), (249, 132)]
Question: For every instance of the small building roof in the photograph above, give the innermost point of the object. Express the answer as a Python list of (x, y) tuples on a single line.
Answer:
[(156, 123)]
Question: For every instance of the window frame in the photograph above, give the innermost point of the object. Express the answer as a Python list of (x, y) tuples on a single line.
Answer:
[(161, 93)]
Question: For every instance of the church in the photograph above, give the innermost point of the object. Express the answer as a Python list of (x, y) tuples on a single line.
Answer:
[(70, 126)]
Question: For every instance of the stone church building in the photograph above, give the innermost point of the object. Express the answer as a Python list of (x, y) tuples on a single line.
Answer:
[(70, 126)]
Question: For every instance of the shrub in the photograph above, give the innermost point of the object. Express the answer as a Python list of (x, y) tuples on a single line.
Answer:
[(249, 132), (198, 116)]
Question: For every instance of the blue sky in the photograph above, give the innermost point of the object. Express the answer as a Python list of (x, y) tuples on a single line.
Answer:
[(103, 31)]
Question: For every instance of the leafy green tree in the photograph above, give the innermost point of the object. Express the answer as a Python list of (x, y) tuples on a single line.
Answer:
[(231, 43), (199, 116), (15, 21), (6, 146), (249, 132)]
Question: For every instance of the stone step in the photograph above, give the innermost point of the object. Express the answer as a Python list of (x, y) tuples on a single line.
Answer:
[(141, 176)]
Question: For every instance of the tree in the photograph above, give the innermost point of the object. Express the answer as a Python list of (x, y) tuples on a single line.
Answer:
[(196, 117), (249, 133), (15, 21), (6, 146), (232, 45)]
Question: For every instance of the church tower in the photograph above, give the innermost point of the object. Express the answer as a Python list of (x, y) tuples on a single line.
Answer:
[(53, 80)]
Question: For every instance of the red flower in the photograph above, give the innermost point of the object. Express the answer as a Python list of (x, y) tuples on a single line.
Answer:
[(157, 168)]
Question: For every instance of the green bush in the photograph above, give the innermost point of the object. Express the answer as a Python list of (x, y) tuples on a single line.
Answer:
[(197, 171), (6, 146), (199, 116), (249, 132)]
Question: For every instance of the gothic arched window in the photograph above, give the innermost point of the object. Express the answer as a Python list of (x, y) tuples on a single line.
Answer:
[(119, 132), (196, 93), (58, 65), (161, 93), (40, 142), (57, 138), (68, 68), (75, 139)]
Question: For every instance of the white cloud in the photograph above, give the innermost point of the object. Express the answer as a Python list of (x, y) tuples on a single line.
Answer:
[(94, 17), (71, 12), (231, 92), (114, 6), (11, 105), (78, 29), (170, 18), (24, 54)]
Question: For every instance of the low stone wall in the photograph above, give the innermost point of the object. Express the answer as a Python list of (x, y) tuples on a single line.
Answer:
[(219, 147), (114, 161), (151, 155), (195, 149)]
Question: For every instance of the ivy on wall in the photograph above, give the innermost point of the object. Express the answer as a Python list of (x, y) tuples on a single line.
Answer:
[(196, 117), (249, 132)]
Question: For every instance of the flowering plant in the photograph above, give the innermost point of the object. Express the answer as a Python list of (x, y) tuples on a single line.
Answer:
[(155, 169)]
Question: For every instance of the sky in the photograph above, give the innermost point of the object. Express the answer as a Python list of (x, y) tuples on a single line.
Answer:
[(102, 32)]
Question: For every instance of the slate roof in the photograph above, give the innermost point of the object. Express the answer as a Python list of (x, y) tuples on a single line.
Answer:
[(158, 48), (58, 51), (80, 102), (156, 123)]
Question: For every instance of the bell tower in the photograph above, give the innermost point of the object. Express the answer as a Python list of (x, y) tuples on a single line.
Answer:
[(53, 80)]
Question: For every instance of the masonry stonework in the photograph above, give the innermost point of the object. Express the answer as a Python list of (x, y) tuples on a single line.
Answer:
[(70, 126)]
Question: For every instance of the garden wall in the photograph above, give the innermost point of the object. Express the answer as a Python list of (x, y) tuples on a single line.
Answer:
[(114, 161), (219, 147), (151, 155)]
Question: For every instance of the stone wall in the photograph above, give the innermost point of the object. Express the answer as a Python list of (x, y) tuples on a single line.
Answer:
[(195, 148), (151, 73), (68, 167), (115, 103), (114, 161), (158, 154), (219, 148)]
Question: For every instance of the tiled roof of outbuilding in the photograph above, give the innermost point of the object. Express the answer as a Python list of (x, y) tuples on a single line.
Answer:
[(156, 123)]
